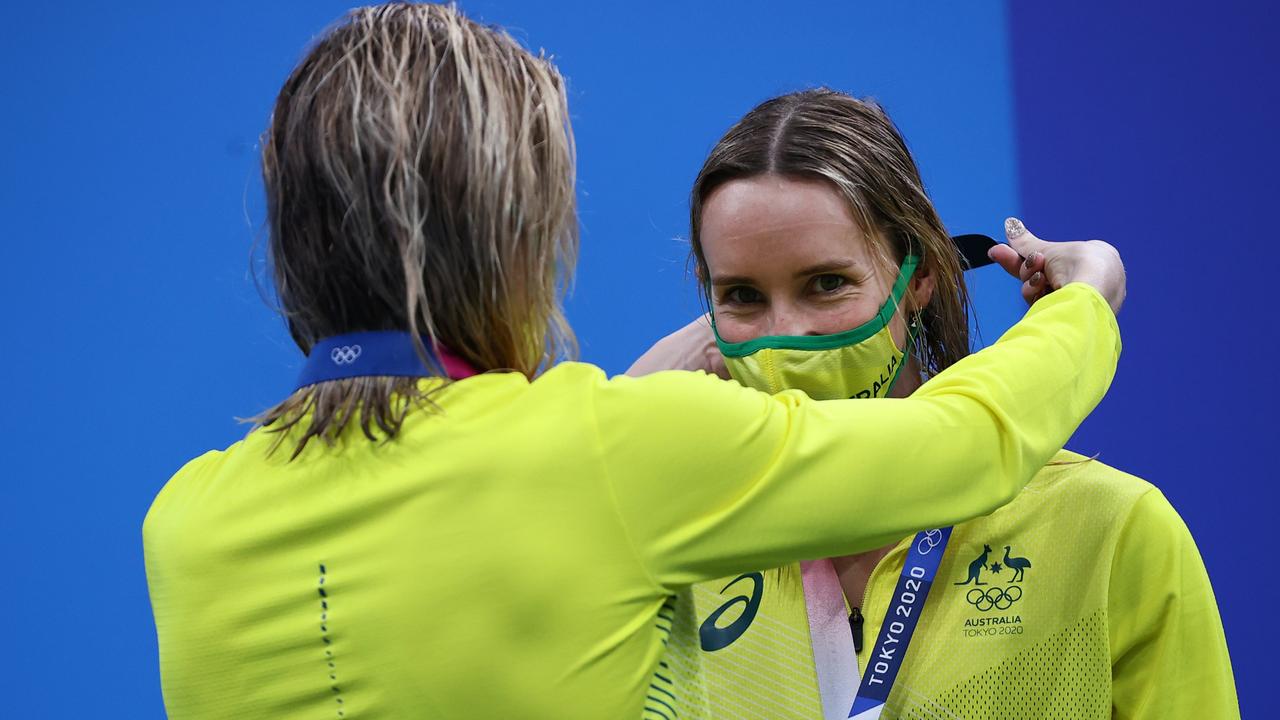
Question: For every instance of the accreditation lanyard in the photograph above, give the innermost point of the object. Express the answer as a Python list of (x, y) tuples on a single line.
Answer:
[(380, 353), (899, 623)]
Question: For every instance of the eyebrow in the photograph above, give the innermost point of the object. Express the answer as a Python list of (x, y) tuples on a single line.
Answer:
[(818, 269)]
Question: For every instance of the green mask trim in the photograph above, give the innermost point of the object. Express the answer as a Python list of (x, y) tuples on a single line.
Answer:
[(827, 342)]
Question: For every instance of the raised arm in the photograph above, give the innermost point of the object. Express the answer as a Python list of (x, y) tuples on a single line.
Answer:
[(711, 478)]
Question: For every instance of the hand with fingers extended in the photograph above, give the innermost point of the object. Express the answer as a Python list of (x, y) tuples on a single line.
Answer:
[(1045, 266)]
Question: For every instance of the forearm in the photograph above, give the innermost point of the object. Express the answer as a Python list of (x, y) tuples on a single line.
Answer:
[(969, 439), (752, 480)]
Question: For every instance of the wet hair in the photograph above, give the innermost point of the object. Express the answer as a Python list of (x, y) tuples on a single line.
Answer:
[(854, 146), (419, 173)]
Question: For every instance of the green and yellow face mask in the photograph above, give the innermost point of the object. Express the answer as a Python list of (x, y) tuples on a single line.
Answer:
[(858, 363)]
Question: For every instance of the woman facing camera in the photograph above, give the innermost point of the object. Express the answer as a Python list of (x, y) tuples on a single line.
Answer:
[(829, 272), (405, 532)]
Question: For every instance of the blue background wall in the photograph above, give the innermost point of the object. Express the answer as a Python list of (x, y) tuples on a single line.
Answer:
[(129, 201), (1154, 125)]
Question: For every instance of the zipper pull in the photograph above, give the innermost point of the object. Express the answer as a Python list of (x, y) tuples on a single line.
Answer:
[(855, 625)]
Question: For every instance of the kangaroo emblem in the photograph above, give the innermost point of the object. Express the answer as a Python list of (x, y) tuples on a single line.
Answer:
[(975, 568), (1020, 564)]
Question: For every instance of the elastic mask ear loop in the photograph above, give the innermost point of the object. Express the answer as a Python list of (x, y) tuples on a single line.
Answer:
[(915, 326), (920, 346), (915, 332)]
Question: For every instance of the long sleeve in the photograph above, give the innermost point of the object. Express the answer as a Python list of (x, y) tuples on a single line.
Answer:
[(710, 478), (1169, 652)]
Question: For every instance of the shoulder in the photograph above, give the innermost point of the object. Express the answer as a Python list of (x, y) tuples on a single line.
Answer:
[(571, 373), (673, 392), (1134, 504), (1070, 475), (585, 373), (185, 483)]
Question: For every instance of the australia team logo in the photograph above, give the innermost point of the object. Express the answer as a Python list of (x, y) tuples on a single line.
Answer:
[(991, 594)]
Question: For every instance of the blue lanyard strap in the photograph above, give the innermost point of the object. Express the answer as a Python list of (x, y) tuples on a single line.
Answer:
[(382, 353), (900, 622)]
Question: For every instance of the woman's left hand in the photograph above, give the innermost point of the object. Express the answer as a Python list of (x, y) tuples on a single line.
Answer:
[(692, 347), (1045, 266)]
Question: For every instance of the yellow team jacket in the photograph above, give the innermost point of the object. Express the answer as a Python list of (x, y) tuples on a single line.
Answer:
[(511, 555), (1083, 598)]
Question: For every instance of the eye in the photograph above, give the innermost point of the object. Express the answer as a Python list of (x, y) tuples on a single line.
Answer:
[(742, 295), (828, 283)]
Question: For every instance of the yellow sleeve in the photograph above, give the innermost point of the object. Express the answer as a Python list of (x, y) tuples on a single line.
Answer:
[(1168, 650), (711, 478)]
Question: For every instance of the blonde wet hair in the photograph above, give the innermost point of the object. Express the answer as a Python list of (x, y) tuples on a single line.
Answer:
[(419, 173)]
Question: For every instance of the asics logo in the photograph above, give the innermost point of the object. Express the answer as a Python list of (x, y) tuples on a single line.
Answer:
[(714, 638), (995, 598), (344, 355)]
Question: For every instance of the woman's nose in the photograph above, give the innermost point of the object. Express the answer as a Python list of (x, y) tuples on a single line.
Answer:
[(789, 321)]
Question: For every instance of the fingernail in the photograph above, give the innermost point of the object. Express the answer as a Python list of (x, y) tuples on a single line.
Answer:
[(1036, 279), (1013, 228), (1031, 260)]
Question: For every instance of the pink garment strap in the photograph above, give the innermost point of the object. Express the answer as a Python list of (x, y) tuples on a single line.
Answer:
[(454, 366), (834, 658), (376, 353)]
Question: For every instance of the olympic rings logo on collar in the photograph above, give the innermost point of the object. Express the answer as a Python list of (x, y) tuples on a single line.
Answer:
[(931, 540), (344, 355), (995, 598)]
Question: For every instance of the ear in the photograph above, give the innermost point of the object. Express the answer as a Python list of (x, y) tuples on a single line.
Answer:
[(921, 287)]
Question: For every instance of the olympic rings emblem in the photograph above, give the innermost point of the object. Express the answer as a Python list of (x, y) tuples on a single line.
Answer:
[(931, 540), (996, 598), (344, 355)]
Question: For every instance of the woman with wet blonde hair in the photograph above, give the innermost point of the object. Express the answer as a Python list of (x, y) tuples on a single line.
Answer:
[(1085, 597), (446, 520)]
